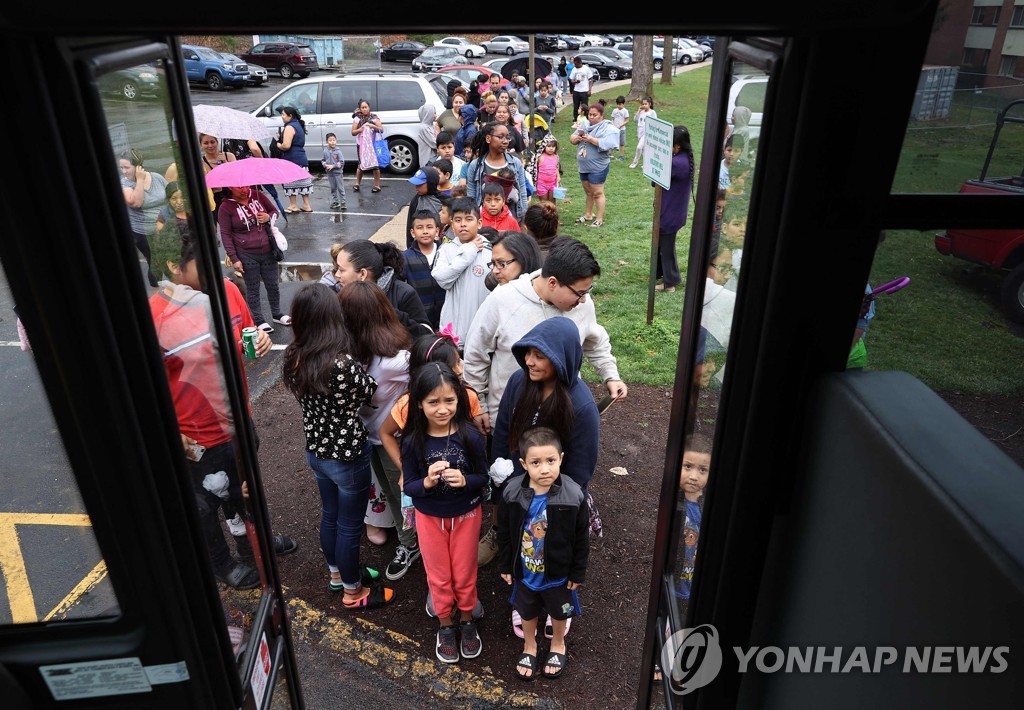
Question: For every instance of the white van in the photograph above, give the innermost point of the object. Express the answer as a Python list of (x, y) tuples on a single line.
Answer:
[(749, 91), (327, 103)]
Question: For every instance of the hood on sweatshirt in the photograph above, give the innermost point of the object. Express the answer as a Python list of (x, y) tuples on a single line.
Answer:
[(468, 113), (558, 339)]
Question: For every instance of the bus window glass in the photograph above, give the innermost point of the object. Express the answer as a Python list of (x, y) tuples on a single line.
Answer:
[(162, 216), (51, 568), (722, 273), (970, 77)]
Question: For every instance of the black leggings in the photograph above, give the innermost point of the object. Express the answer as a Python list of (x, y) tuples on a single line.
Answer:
[(142, 244), (261, 266)]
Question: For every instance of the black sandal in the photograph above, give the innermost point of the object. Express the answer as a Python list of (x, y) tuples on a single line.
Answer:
[(375, 189), (529, 662), (355, 188), (558, 661), (377, 596)]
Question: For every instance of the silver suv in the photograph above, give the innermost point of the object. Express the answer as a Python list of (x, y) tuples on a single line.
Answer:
[(327, 103)]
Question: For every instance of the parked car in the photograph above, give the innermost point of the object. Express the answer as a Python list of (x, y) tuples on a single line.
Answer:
[(612, 53), (469, 72), (505, 44), (287, 58), (467, 48), (402, 51), (495, 65), (708, 40), (327, 103), (549, 43), (208, 66), (686, 43), (748, 91), (999, 249), (683, 55), (257, 74), (132, 83), (570, 41), (607, 68), (591, 40), (433, 58), (616, 38), (627, 49)]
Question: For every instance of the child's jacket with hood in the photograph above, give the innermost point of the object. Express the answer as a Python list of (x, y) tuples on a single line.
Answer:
[(468, 130), (559, 340)]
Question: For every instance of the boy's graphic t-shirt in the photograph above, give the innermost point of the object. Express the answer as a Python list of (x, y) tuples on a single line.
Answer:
[(531, 552), (691, 531), (619, 115)]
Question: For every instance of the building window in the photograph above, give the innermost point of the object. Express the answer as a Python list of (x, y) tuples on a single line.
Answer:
[(1017, 19), (995, 16), (1007, 66), (978, 16), (975, 58)]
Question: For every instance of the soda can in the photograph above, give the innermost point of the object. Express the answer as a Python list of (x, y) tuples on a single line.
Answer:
[(249, 342)]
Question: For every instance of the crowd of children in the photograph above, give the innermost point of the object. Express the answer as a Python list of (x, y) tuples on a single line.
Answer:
[(402, 362)]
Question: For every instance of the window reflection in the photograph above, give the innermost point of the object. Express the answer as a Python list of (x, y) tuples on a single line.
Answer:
[(721, 272), (162, 220)]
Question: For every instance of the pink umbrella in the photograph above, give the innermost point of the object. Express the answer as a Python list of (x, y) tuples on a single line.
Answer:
[(255, 171)]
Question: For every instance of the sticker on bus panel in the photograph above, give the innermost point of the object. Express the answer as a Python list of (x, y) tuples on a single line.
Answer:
[(95, 679)]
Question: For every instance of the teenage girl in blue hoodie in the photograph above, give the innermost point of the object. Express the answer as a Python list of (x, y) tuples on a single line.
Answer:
[(547, 391)]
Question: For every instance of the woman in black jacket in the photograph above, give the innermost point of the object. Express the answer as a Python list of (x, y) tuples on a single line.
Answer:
[(363, 260)]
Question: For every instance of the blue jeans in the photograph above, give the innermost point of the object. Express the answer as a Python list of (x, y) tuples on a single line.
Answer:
[(344, 489)]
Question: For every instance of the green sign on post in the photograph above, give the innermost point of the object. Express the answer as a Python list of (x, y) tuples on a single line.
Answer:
[(658, 151)]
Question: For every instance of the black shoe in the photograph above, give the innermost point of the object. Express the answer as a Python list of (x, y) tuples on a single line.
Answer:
[(470, 646), (404, 557), (284, 545), (240, 576)]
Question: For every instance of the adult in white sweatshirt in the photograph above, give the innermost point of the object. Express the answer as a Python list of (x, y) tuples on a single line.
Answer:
[(559, 288)]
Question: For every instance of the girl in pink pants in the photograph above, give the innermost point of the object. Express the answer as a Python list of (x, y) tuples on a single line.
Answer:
[(444, 473)]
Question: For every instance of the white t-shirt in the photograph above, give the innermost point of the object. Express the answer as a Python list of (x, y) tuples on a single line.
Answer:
[(582, 75)]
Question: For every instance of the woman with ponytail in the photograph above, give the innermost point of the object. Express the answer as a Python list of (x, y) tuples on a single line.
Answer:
[(675, 203)]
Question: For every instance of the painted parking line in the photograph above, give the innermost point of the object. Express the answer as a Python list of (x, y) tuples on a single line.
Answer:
[(398, 657), (12, 562)]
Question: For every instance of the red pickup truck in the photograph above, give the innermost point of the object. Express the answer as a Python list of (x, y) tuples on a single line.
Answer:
[(1001, 249)]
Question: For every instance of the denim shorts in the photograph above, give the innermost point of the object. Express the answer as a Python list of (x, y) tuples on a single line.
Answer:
[(596, 178)]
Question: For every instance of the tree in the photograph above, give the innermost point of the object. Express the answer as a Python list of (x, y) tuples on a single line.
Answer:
[(643, 68), (666, 68)]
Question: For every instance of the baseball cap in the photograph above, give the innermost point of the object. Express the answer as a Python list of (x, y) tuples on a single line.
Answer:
[(420, 178)]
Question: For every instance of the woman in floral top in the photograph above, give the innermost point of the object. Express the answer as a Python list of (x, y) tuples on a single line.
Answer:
[(331, 387)]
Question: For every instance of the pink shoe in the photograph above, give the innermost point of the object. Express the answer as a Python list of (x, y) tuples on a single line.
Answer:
[(517, 624), (549, 631)]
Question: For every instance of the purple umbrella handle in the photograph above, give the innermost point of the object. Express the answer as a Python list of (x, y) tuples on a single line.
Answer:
[(891, 287)]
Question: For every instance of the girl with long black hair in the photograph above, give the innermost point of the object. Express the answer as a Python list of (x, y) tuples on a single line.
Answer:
[(331, 386)]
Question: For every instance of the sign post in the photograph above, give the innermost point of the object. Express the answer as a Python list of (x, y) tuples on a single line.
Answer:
[(658, 169)]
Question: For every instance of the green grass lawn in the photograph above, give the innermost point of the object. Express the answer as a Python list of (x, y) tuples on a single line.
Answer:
[(945, 328)]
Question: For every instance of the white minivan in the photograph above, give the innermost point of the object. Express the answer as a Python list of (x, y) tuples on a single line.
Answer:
[(326, 104)]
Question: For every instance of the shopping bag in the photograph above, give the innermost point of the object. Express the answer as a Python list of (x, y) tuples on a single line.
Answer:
[(382, 150)]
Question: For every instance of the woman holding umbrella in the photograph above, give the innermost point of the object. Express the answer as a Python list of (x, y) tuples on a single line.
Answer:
[(244, 219), (292, 143)]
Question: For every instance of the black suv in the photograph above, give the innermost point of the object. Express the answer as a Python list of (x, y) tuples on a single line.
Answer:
[(288, 58)]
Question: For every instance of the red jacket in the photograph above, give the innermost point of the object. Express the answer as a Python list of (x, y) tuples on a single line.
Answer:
[(502, 222)]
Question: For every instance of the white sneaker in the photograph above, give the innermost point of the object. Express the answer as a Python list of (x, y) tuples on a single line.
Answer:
[(236, 526)]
